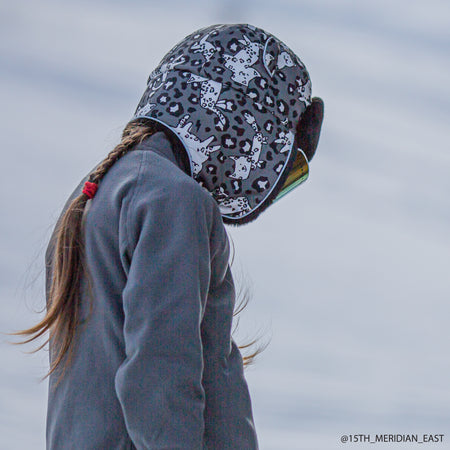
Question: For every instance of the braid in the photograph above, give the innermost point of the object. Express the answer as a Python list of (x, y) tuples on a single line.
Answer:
[(62, 316), (133, 134)]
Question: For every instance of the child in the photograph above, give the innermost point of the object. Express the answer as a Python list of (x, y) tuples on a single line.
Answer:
[(139, 290)]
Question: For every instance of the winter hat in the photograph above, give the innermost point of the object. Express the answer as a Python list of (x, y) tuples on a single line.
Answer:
[(233, 95)]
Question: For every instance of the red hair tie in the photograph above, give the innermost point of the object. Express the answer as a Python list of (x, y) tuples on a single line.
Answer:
[(90, 189)]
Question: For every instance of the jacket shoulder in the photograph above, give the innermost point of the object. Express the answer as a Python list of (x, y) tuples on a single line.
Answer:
[(159, 178)]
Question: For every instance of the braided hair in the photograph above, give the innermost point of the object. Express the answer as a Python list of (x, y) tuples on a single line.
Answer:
[(62, 316)]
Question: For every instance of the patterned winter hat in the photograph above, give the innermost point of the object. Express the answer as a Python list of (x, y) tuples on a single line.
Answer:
[(233, 95)]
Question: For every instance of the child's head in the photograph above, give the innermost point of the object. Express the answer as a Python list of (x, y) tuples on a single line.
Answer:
[(239, 100)]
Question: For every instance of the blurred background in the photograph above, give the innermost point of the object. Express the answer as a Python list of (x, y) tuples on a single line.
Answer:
[(349, 274)]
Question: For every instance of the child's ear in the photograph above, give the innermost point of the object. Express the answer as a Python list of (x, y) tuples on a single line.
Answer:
[(308, 129)]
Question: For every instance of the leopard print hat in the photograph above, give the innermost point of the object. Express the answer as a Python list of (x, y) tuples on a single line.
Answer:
[(233, 95)]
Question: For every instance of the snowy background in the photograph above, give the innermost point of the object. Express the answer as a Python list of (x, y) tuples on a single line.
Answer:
[(349, 274)]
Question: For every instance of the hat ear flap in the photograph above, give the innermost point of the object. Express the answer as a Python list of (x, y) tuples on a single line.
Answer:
[(308, 129)]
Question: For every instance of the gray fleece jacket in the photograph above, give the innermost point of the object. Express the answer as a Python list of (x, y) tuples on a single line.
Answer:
[(154, 365)]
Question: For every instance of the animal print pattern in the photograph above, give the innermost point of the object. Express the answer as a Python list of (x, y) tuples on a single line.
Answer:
[(234, 95), (209, 96), (241, 63), (199, 150), (231, 205), (144, 110), (243, 164), (287, 139), (204, 47), (159, 75)]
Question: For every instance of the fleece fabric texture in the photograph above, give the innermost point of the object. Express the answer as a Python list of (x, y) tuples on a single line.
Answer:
[(154, 365)]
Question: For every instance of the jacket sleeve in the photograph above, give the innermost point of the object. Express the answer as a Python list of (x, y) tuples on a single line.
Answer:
[(159, 384)]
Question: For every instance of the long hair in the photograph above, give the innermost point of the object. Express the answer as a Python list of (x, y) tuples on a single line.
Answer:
[(62, 318)]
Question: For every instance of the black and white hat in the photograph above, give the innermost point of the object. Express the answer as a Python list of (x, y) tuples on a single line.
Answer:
[(233, 95)]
